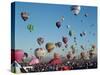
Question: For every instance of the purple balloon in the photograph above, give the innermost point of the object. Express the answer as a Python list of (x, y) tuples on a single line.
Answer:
[(58, 24)]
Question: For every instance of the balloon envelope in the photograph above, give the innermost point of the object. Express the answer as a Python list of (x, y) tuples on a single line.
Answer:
[(24, 15), (58, 24), (71, 33), (86, 15), (73, 48), (56, 55), (62, 18), (26, 60), (40, 40), (25, 54), (82, 55), (81, 34), (70, 55), (65, 40), (91, 53), (68, 26), (50, 46), (58, 44), (84, 33), (34, 61), (75, 9), (56, 59), (40, 52), (93, 46), (82, 47), (30, 27), (17, 55)]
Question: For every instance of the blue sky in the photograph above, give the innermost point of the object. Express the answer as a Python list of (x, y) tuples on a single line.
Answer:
[(44, 16)]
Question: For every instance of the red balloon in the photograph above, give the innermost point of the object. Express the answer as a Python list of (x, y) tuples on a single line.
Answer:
[(55, 61)]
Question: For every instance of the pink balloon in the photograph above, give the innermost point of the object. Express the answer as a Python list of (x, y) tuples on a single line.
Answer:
[(34, 61), (17, 55)]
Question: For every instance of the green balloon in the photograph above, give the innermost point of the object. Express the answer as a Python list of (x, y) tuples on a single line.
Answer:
[(30, 27)]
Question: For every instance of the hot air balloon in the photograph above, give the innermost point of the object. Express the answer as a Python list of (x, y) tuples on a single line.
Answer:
[(62, 18), (40, 52), (91, 53), (50, 46), (84, 33), (58, 24), (56, 55), (30, 27), (34, 61), (40, 40), (83, 55), (70, 55), (71, 33), (56, 59), (86, 15), (72, 47), (68, 26), (24, 15), (58, 44), (65, 40), (93, 47), (73, 51), (82, 47), (17, 55), (25, 54), (74, 39), (81, 34), (75, 9), (26, 59)]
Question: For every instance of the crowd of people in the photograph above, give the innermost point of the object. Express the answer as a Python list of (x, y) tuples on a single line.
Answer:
[(66, 65)]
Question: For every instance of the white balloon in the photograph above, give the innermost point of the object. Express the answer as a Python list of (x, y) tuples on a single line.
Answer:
[(75, 9), (40, 52)]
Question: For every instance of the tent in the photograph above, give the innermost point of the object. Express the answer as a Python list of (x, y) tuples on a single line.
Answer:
[(15, 67)]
